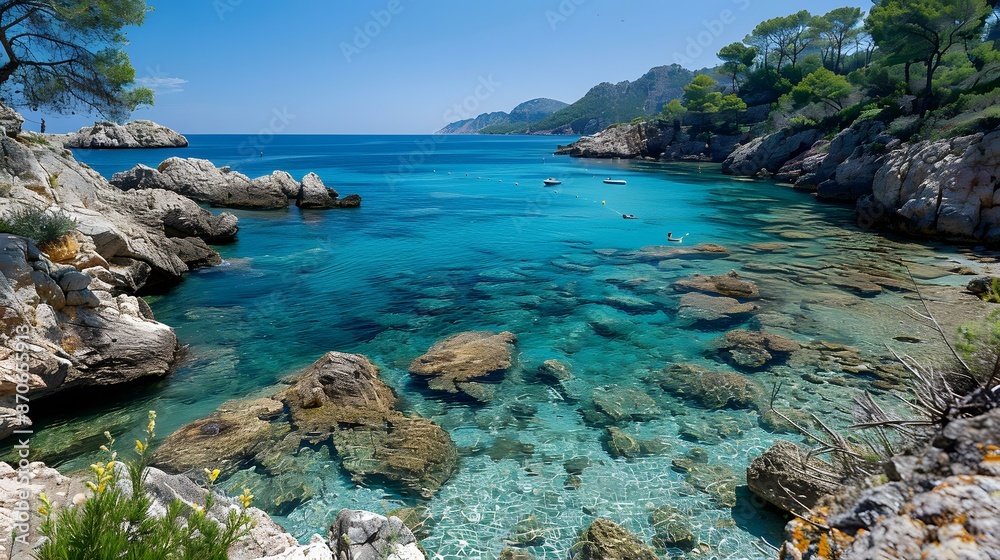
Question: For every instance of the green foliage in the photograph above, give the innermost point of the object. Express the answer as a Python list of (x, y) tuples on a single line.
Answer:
[(114, 522), (925, 31), (37, 225), (979, 343), (782, 39), (823, 86), (701, 95), (737, 59), (836, 30), (64, 54), (673, 111)]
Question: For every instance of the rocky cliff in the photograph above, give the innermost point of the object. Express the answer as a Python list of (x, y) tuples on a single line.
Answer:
[(949, 188), (136, 134), (650, 140), (71, 319)]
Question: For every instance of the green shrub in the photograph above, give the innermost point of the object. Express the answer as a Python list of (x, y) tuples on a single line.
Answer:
[(37, 225), (114, 523)]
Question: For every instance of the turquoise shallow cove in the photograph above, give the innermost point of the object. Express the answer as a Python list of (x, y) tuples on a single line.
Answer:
[(458, 234)]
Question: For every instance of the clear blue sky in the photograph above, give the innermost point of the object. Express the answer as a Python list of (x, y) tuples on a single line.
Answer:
[(242, 66)]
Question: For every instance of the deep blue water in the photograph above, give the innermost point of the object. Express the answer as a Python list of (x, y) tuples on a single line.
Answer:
[(457, 234)]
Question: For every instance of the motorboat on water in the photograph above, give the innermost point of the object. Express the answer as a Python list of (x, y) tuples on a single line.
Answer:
[(629, 216), (551, 182), (610, 181)]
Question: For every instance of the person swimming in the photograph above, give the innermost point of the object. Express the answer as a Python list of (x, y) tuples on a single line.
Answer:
[(670, 237)]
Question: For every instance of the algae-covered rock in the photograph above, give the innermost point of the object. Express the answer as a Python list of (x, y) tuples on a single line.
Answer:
[(528, 531), (410, 452), (718, 481), (606, 540), (338, 389), (621, 444), (554, 372), (507, 447), (672, 528), (226, 440), (702, 307), (465, 361), (710, 389)]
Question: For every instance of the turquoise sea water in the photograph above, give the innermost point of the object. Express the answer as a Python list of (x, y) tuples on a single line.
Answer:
[(458, 234)]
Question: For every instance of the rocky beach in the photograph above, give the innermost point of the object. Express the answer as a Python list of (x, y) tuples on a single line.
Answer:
[(418, 410)]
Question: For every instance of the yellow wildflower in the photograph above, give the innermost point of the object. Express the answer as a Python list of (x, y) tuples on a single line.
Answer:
[(198, 510), (46, 507), (140, 447), (213, 474), (246, 497)]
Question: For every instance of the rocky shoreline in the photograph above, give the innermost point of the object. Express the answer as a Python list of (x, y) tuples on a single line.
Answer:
[(934, 189), (75, 304)]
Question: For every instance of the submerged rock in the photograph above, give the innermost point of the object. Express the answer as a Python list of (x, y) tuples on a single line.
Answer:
[(702, 307), (672, 528), (620, 404), (621, 444), (461, 363), (728, 285), (711, 389), (754, 349), (606, 540), (528, 531)]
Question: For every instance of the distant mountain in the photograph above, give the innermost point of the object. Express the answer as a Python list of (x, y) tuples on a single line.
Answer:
[(607, 104), (525, 113)]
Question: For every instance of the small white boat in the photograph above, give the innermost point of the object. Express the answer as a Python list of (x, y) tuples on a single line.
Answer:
[(610, 181), (551, 182)]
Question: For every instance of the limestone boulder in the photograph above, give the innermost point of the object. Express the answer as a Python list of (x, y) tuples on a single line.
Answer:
[(362, 535), (135, 134), (282, 181), (10, 121), (625, 141), (201, 181), (67, 334), (781, 476)]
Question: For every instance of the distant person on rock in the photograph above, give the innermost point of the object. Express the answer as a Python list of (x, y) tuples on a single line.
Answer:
[(43, 126)]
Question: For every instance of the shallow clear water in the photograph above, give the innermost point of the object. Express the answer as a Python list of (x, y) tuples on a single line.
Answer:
[(457, 234)]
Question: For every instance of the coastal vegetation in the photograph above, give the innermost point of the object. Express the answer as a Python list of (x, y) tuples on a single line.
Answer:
[(113, 522), (62, 55), (37, 225)]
